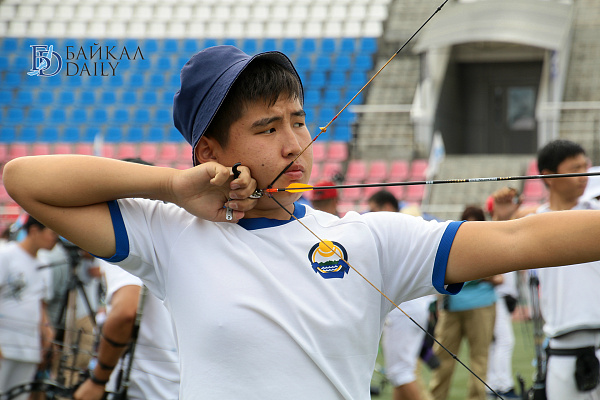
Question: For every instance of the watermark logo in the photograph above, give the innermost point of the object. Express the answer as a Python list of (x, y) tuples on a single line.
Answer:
[(41, 61)]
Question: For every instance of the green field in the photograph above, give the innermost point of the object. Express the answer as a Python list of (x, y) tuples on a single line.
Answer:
[(523, 356)]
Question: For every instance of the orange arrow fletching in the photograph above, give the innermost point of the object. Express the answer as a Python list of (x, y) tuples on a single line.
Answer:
[(298, 188)]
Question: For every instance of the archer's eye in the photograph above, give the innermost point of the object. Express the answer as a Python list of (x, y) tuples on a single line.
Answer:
[(299, 124), (270, 130)]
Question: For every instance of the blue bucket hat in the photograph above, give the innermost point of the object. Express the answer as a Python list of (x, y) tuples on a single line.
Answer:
[(205, 81)]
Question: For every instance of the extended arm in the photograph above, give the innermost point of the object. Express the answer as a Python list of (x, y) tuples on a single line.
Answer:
[(116, 334), (482, 249), (69, 193)]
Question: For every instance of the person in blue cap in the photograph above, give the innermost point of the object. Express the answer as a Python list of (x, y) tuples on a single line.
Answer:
[(262, 307)]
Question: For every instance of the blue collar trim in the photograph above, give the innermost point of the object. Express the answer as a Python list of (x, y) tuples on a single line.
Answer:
[(260, 223)]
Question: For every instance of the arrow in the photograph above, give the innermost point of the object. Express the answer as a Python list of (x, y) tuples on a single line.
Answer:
[(302, 187)]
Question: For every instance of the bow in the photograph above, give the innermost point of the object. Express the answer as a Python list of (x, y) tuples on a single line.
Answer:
[(328, 245)]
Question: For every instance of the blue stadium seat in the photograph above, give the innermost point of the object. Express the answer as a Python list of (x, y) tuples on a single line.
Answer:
[(174, 135), (116, 81), (8, 134), (155, 134), (141, 116), (190, 46), (169, 46), (99, 116), (328, 46), (363, 62), (250, 46), (208, 43), (163, 116), (94, 81), (303, 63), (148, 46), (288, 45), (66, 98), (28, 134), (337, 79), (164, 64), (128, 97), (348, 45), (167, 97), (21, 64), (358, 78), (312, 97), (11, 80), (36, 115), (108, 98), (5, 97), (9, 45), (4, 62), (332, 96), (135, 134), (149, 97), (120, 116), (269, 44), (230, 42), (87, 97), (71, 134), (78, 115), (317, 80), (368, 45), (342, 133), (14, 116), (322, 63), (90, 133), (49, 134), (342, 63), (308, 45), (45, 97), (74, 81), (136, 80), (113, 134), (157, 80), (58, 116)]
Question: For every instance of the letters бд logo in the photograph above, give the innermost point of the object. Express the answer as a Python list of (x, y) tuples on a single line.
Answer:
[(41, 60)]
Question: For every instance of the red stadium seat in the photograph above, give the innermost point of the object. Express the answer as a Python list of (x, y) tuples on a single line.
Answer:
[(377, 171), (40, 149), (84, 148), (169, 152), (337, 151), (18, 150), (127, 150), (352, 194), (414, 194), (357, 171), (330, 169), (398, 171), (62, 148), (418, 168), (149, 151), (319, 151)]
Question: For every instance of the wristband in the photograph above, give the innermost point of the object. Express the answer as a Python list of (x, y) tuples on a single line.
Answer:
[(105, 366), (96, 380)]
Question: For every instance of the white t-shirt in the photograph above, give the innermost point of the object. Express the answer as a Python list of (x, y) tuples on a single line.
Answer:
[(22, 288), (262, 311), (155, 370), (570, 296)]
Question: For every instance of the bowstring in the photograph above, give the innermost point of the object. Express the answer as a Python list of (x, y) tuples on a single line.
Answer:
[(324, 128), (338, 253)]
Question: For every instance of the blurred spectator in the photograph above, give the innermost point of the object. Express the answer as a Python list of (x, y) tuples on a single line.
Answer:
[(326, 199), (24, 326)]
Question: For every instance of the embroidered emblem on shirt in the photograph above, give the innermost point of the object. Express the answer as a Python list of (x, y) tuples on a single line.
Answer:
[(328, 259)]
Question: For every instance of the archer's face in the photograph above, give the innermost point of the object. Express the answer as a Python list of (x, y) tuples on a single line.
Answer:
[(266, 139)]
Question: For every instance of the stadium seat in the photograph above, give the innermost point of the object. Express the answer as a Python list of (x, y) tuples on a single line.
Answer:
[(126, 150), (71, 134), (315, 174), (163, 116), (28, 134), (24, 97), (356, 172), (58, 116), (363, 62), (113, 134), (332, 97), (14, 116), (149, 98), (84, 148), (155, 134), (78, 115), (148, 151), (368, 45), (62, 148), (352, 194), (108, 98), (337, 152), (308, 45), (398, 171), (348, 45), (135, 134), (3, 152), (8, 134), (18, 150), (342, 63), (418, 169), (128, 97), (49, 134), (87, 97), (342, 133), (169, 152), (397, 191), (328, 46), (377, 171), (319, 151), (141, 116), (36, 115), (414, 193), (534, 190), (40, 149), (5, 97), (331, 169)]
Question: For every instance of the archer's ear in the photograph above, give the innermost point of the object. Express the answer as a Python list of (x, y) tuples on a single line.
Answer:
[(207, 149)]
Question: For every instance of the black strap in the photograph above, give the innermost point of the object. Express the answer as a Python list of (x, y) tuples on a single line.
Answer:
[(96, 380), (112, 342), (570, 352)]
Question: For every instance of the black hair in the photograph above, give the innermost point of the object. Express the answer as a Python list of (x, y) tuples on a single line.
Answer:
[(137, 160), (384, 197), (261, 80), (551, 155), (473, 212), (32, 222)]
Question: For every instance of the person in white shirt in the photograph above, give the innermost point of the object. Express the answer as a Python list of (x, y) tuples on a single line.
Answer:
[(24, 325), (262, 308)]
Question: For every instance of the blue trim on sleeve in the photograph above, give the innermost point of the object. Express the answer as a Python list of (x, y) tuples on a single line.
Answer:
[(260, 223), (121, 238), (441, 260)]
